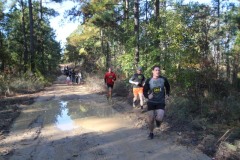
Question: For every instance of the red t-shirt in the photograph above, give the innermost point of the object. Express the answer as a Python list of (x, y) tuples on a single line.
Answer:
[(110, 78)]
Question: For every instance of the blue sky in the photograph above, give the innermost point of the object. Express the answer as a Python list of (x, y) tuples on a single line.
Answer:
[(63, 28)]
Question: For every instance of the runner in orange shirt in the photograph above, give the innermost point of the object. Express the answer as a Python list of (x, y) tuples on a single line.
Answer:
[(138, 80)]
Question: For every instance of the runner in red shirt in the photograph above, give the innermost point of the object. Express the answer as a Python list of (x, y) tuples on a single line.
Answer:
[(109, 79)]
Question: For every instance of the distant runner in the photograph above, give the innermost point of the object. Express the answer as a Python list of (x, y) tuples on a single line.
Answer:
[(156, 90), (137, 80), (109, 79)]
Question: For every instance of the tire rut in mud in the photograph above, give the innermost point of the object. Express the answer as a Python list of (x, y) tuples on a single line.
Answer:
[(28, 142)]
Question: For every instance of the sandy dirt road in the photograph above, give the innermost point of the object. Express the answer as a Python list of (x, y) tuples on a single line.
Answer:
[(73, 123)]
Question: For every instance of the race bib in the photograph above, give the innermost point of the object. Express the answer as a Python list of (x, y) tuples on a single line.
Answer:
[(140, 77), (156, 90)]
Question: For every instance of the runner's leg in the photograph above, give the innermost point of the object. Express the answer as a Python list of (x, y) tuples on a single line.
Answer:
[(107, 91), (151, 123), (134, 97), (110, 92), (141, 99), (159, 116)]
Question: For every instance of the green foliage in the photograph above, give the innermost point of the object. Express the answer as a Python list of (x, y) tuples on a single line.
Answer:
[(205, 114), (185, 41), (187, 78), (181, 109), (124, 60), (84, 45), (47, 48), (3, 85), (232, 108)]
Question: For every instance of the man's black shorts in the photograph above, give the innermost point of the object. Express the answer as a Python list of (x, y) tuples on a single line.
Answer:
[(154, 106), (109, 85)]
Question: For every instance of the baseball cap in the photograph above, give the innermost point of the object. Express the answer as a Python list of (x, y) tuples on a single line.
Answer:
[(139, 68)]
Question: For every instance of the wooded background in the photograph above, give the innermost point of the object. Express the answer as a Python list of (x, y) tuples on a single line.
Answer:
[(196, 45)]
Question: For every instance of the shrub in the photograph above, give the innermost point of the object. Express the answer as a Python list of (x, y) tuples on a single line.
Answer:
[(10, 84), (180, 109), (23, 85), (95, 82)]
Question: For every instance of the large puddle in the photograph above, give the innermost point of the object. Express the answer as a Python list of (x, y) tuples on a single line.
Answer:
[(64, 121), (95, 115), (74, 114)]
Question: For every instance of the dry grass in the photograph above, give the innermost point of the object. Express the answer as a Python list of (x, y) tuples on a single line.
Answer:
[(9, 86)]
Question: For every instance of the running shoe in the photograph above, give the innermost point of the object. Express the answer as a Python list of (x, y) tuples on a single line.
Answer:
[(150, 136), (134, 104)]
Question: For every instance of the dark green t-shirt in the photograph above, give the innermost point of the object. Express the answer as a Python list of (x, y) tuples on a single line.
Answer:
[(138, 78)]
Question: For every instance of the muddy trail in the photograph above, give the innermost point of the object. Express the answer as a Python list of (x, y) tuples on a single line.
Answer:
[(74, 123)]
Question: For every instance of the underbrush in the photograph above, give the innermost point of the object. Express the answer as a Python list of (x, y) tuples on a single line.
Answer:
[(212, 122), (96, 83), (11, 85)]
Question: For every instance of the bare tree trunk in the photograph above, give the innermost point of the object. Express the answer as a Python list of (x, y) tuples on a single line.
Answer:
[(136, 30), (126, 9), (2, 59), (157, 25), (108, 56), (101, 34), (236, 62), (206, 44), (31, 36), (107, 50), (3, 66), (146, 11), (228, 59), (41, 10), (156, 9), (41, 38), (218, 45), (25, 55), (164, 23)]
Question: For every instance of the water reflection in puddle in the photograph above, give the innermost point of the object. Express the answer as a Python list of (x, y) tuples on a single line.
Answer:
[(64, 121), (69, 115), (80, 109), (73, 111)]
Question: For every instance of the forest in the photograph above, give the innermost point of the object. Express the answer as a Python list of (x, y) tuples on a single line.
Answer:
[(197, 46)]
